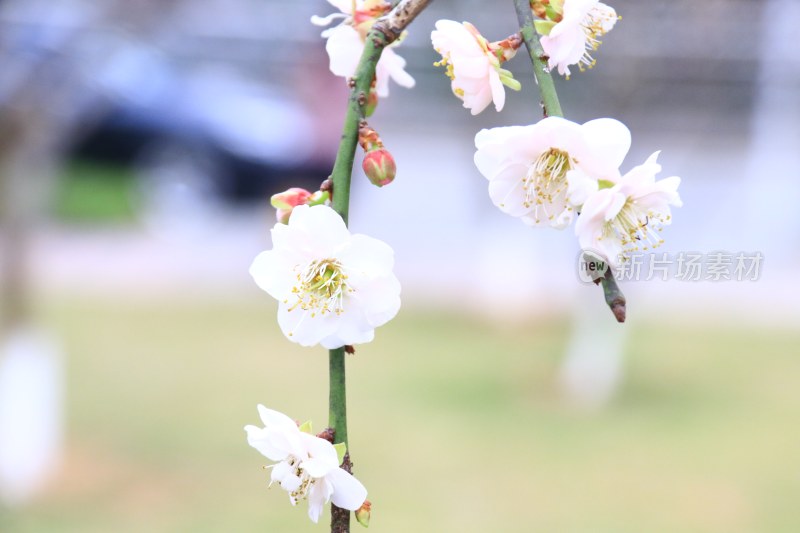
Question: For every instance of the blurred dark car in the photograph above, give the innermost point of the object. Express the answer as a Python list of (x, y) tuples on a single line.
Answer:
[(210, 132)]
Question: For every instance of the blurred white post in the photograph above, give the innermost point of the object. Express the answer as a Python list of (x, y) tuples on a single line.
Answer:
[(31, 390), (593, 367)]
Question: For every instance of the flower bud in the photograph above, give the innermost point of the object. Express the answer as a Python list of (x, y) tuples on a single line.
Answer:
[(379, 166), (363, 513), (289, 198)]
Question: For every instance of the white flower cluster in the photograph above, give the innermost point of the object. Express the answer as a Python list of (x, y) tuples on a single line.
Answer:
[(345, 43), (307, 467), (572, 39), (333, 288), (548, 173)]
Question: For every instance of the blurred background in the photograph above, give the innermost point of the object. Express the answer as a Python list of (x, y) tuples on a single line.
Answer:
[(139, 145)]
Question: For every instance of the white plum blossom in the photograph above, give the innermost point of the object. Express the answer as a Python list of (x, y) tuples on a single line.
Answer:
[(473, 65), (333, 287), (542, 172), (345, 43), (572, 40), (628, 215), (307, 467)]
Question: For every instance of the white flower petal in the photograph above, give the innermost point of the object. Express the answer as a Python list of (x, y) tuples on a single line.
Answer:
[(301, 327), (272, 272), (317, 230), (344, 49), (498, 91), (318, 495), (471, 66), (275, 419), (322, 456), (260, 439), (609, 141), (348, 492), (391, 65)]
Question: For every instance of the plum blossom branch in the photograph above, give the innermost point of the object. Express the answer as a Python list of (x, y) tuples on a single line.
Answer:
[(386, 30), (547, 89), (552, 108)]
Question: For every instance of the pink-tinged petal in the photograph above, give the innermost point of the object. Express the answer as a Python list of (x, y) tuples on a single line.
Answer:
[(453, 36), (580, 186), (477, 102), (593, 211), (609, 141), (344, 49), (615, 206), (557, 132), (669, 186), (498, 91), (660, 196), (472, 67), (508, 196), (348, 492)]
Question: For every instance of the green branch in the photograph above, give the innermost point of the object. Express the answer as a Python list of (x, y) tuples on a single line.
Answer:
[(385, 31), (614, 297), (552, 108), (547, 89)]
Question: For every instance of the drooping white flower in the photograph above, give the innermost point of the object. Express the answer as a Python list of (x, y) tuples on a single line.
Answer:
[(572, 40), (333, 288), (629, 215), (307, 467), (345, 43), (473, 65), (541, 172)]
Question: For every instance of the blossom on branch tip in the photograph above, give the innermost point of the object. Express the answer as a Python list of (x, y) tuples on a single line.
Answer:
[(572, 34), (473, 64), (629, 215), (307, 467), (333, 287), (345, 43), (542, 172)]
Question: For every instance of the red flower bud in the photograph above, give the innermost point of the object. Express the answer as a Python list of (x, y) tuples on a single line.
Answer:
[(287, 200), (379, 166)]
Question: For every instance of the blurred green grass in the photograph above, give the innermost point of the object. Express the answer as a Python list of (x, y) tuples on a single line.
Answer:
[(88, 192), (455, 426)]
